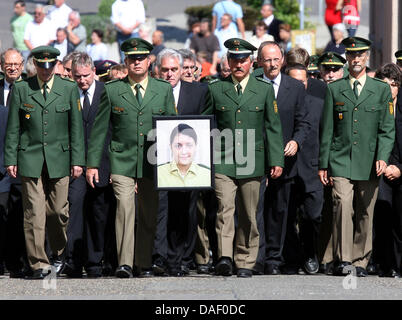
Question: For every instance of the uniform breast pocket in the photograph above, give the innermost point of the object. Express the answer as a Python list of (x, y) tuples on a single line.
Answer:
[(119, 117), (373, 108)]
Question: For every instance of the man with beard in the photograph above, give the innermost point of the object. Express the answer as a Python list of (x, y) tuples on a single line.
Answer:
[(356, 142)]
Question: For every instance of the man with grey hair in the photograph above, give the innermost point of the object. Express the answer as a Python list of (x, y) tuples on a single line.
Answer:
[(67, 64), (40, 31), (189, 100), (189, 65), (225, 69), (96, 201), (77, 34), (267, 12)]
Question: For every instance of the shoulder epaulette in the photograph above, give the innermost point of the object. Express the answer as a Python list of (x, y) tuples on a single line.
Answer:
[(213, 81), (111, 81), (67, 79), (263, 80), (162, 80), (19, 80), (379, 80)]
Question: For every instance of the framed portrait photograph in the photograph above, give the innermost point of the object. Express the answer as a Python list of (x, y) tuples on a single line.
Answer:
[(183, 152)]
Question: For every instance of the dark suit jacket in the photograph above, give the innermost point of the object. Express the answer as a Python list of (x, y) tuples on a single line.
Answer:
[(396, 155), (191, 98), (88, 121), (307, 159), (292, 112), (2, 91), (316, 88), (273, 29), (4, 178)]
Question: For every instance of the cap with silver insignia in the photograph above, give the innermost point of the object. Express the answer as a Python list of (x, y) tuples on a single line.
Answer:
[(136, 46), (45, 56), (239, 48)]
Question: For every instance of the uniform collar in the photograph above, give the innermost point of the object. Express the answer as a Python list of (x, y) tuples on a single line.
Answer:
[(143, 83), (49, 83), (243, 83)]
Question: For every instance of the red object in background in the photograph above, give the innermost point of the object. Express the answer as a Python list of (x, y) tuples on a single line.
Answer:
[(350, 13), (206, 66), (332, 16)]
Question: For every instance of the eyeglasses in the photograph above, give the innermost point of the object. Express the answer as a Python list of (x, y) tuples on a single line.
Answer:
[(12, 65), (276, 60), (195, 68)]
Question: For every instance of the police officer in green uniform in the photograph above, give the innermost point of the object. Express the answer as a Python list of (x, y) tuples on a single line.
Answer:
[(356, 141), (312, 68), (44, 145), (128, 106), (330, 65), (245, 109)]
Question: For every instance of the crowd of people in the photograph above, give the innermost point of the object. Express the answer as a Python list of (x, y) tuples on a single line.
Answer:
[(318, 192)]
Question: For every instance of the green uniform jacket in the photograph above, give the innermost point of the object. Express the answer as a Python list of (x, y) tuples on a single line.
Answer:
[(41, 131), (256, 110), (356, 133), (130, 123)]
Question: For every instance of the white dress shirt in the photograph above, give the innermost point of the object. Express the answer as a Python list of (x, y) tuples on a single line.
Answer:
[(91, 92), (176, 93), (6, 91), (275, 82), (269, 20)]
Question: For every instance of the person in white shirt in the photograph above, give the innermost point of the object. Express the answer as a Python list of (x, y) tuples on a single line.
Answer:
[(58, 14), (97, 50), (127, 16), (61, 43), (260, 36), (224, 32), (39, 32)]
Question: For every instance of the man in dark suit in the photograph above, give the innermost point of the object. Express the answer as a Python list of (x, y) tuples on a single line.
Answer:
[(89, 207), (175, 239), (12, 246), (267, 12), (307, 190), (290, 96)]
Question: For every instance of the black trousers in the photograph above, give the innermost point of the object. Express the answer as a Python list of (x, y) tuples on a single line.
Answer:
[(99, 203), (272, 215), (303, 224), (15, 249), (3, 225), (176, 228), (387, 224)]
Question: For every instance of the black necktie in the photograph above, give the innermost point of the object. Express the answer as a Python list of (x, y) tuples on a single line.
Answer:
[(355, 90), (45, 91), (9, 94), (139, 95), (87, 104)]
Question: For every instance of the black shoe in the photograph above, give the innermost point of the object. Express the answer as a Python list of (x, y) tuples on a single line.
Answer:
[(203, 269), (107, 270), (39, 274), (392, 273), (124, 271), (159, 267), (17, 274), (94, 272), (342, 269), (176, 273), (224, 267), (185, 269), (271, 269), (58, 263), (311, 265), (371, 269), (71, 271), (258, 270), (290, 270), (2, 269), (146, 273), (244, 273), (361, 272)]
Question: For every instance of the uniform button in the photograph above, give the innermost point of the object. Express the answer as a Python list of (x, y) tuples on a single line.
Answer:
[(223, 108), (256, 108), (45, 112), (140, 123), (355, 120), (45, 123), (355, 109), (140, 113), (355, 143), (45, 133), (141, 134), (355, 132), (45, 143), (239, 122), (238, 143), (238, 110)]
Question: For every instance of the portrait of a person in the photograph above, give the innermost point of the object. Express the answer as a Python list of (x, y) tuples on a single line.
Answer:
[(182, 171)]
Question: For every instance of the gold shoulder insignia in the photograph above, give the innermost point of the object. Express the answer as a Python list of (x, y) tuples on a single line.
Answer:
[(391, 108), (275, 107), (79, 105)]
